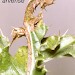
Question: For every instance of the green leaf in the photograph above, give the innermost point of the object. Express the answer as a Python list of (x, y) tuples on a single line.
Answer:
[(4, 60), (37, 35), (44, 48), (40, 30), (50, 42), (65, 47), (12, 65), (51, 47), (4, 42), (20, 58), (39, 69)]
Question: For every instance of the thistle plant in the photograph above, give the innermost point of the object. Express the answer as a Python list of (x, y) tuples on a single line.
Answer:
[(30, 59)]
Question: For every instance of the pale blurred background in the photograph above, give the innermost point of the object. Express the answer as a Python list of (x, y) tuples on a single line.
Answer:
[(59, 17)]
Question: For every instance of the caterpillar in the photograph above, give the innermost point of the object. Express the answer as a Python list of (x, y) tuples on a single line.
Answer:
[(29, 17), (29, 22)]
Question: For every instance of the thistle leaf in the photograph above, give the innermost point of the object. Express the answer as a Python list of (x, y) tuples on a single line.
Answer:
[(12, 65)]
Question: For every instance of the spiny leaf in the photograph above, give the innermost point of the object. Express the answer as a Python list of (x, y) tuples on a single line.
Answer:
[(66, 47), (12, 65), (50, 42), (50, 47)]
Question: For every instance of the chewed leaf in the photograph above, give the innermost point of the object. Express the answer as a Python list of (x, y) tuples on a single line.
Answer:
[(21, 58), (12, 65)]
